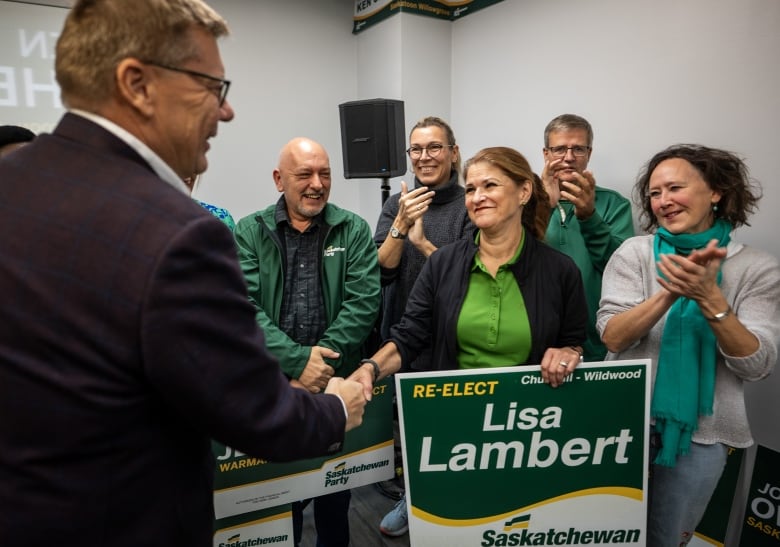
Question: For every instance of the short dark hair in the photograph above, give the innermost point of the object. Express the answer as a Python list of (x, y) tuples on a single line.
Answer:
[(13, 134), (723, 172)]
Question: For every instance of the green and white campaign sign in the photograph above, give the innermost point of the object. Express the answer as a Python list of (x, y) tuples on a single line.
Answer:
[(246, 487), (713, 526), (761, 521), (269, 527), (497, 457)]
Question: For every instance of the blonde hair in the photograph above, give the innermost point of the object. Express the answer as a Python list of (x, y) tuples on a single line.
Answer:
[(98, 34), (435, 121)]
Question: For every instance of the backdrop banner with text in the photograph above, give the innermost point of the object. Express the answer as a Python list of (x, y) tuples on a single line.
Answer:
[(29, 93), (371, 12), (252, 496), (502, 458)]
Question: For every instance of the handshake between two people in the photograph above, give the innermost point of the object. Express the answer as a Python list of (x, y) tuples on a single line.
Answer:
[(356, 390), (351, 392), (318, 376)]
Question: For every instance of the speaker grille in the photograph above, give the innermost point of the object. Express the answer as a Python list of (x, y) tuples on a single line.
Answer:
[(373, 138)]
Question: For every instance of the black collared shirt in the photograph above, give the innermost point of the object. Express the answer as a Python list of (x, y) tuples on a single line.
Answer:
[(302, 315)]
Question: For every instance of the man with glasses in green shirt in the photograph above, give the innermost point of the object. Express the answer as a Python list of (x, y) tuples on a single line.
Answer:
[(587, 222)]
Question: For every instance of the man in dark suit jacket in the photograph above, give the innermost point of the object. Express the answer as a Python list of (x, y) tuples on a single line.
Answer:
[(128, 340)]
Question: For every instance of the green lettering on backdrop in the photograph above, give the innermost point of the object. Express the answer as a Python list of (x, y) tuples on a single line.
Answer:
[(371, 12), (502, 459)]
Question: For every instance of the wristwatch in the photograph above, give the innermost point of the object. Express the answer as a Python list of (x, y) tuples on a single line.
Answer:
[(395, 234)]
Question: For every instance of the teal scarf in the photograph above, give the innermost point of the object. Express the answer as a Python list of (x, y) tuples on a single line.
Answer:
[(685, 378)]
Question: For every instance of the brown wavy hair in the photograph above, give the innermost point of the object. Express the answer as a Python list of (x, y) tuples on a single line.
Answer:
[(536, 212), (723, 172)]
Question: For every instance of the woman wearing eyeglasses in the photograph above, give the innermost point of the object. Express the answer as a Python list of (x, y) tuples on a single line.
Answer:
[(706, 310), (413, 224), (417, 221)]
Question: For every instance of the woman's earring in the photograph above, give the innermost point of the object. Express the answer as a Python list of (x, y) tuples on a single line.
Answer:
[(714, 207)]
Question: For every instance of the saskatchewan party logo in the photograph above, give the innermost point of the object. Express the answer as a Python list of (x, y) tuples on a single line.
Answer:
[(236, 541), (341, 472), (338, 476), (518, 522), (516, 532), (510, 534)]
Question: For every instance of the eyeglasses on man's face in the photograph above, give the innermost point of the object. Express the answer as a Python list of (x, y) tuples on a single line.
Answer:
[(221, 91), (433, 149), (560, 151)]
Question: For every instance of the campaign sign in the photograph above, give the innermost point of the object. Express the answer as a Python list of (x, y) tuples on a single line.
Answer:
[(497, 457), (761, 524), (713, 526), (244, 484), (267, 527)]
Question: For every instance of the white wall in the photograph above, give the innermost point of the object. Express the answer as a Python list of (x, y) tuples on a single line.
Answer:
[(646, 75), (292, 64), (405, 57)]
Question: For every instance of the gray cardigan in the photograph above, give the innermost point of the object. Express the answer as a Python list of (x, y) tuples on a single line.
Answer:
[(750, 283)]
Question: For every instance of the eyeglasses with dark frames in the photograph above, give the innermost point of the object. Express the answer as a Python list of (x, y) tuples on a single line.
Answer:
[(433, 149), (560, 151), (224, 85)]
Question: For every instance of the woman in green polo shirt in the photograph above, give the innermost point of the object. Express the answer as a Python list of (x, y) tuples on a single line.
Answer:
[(499, 297)]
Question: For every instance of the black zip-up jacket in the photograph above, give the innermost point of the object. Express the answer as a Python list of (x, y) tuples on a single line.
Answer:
[(550, 282)]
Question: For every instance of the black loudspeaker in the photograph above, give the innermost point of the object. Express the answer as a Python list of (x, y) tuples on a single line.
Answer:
[(373, 138)]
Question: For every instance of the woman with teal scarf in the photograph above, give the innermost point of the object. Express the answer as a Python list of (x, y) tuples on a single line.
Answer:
[(706, 310)]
